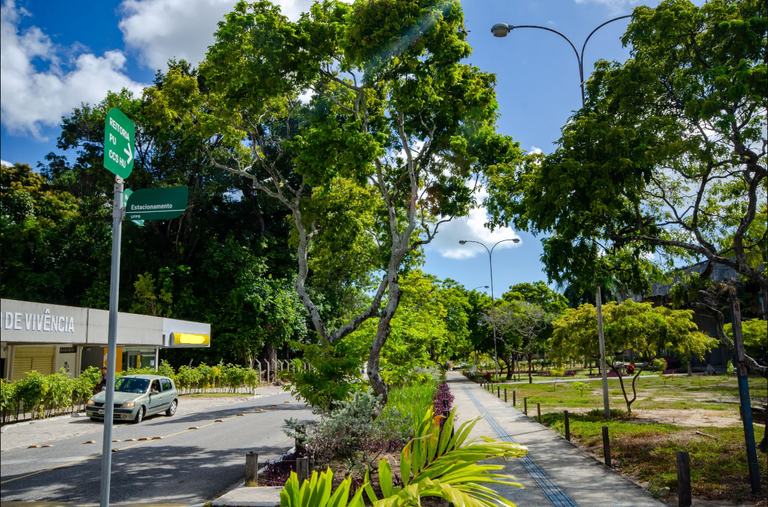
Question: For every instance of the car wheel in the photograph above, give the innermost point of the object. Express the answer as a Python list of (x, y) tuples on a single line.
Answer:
[(95, 419), (172, 409), (139, 416)]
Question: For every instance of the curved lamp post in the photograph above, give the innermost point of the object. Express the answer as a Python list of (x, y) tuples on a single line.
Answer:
[(493, 306), (502, 30), (473, 290)]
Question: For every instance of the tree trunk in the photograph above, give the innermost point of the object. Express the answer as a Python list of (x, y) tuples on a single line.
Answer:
[(269, 354), (530, 371), (382, 333)]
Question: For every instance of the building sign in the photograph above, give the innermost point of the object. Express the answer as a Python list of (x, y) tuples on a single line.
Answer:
[(190, 339), (45, 322)]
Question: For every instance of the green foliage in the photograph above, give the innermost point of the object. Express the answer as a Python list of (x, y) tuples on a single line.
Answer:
[(30, 391), (354, 434), (58, 391), (317, 492), (753, 332), (395, 109), (580, 387), (331, 377), (657, 364), (9, 399), (432, 464), (636, 326), (664, 158), (537, 293), (438, 464), (411, 401)]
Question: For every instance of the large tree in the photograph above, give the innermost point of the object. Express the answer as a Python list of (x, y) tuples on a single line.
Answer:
[(667, 160), (379, 156), (640, 327)]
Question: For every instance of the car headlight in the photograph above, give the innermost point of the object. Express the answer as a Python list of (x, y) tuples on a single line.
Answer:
[(90, 402), (129, 404)]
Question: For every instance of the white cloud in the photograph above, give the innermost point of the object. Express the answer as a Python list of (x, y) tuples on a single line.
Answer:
[(158, 30), (535, 150), (32, 98), (470, 228), (6, 163)]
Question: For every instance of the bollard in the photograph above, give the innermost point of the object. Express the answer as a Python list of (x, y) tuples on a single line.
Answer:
[(498, 392), (252, 468), (525, 406), (505, 395), (567, 426), (538, 411), (302, 469), (514, 398), (683, 479), (606, 446)]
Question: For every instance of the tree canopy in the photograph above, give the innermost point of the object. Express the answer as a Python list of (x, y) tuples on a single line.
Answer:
[(666, 161), (640, 327), (370, 166)]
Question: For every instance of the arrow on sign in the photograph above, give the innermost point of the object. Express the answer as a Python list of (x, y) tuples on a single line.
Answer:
[(129, 153)]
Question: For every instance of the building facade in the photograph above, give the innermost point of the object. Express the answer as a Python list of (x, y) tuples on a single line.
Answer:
[(46, 338)]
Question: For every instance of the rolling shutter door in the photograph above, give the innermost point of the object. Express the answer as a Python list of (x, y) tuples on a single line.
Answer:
[(27, 359)]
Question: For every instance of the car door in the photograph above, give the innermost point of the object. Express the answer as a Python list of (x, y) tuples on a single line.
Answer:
[(168, 394), (155, 397)]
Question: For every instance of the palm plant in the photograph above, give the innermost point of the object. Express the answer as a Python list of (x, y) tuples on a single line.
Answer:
[(438, 463)]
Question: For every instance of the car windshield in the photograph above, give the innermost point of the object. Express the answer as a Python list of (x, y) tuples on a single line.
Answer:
[(131, 385)]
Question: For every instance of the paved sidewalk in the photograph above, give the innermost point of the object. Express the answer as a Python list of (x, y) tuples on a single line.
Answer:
[(555, 473)]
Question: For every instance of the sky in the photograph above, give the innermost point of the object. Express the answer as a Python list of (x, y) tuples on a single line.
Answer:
[(55, 58)]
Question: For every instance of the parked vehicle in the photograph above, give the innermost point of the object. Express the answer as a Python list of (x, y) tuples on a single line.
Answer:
[(136, 397)]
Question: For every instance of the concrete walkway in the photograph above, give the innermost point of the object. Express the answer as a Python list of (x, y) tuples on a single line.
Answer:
[(555, 473)]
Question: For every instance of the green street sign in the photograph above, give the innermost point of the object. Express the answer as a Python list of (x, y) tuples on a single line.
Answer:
[(126, 195), (118, 143), (156, 203)]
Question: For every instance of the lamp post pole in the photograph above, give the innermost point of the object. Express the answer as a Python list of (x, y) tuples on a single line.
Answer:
[(473, 290), (502, 30), (493, 305)]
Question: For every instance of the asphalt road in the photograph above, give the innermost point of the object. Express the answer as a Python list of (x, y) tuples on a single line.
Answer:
[(184, 466)]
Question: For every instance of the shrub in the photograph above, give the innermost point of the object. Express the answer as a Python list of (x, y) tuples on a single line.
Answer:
[(411, 402), (9, 399), (580, 387), (187, 377), (433, 464), (630, 369), (30, 391), (657, 364), (443, 400), (59, 388), (351, 434)]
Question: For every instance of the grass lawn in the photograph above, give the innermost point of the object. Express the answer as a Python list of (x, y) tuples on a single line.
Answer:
[(665, 419)]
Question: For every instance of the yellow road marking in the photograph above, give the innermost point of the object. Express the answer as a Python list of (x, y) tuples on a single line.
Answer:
[(143, 441)]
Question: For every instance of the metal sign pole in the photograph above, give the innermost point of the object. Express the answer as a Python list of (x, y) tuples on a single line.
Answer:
[(114, 286)]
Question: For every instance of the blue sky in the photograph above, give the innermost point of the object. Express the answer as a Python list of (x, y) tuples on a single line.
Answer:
[(55, 57)]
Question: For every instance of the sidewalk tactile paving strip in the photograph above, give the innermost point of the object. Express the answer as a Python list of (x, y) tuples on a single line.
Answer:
[(556, 496)]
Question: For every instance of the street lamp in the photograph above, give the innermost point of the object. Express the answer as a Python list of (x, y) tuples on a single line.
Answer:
[(502, 30), (473, 290), (493, 306)]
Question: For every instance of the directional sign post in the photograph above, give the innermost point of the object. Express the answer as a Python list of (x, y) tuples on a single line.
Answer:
[(126, 195), (118, 143), (157, 203), (118, 159)]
